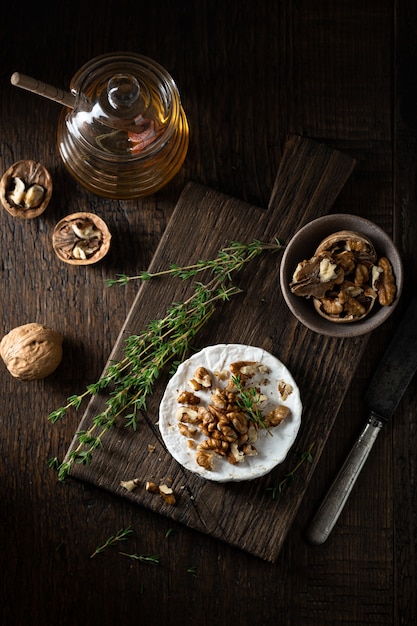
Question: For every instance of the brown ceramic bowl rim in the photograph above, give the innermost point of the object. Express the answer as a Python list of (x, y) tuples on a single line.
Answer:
[(303, 245)]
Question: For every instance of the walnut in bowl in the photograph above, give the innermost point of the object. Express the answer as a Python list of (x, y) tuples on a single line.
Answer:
[(341, 275), (26, 189), (81, 239)]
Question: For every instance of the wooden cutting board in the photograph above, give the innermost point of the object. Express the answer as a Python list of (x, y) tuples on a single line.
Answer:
[(244, 514)]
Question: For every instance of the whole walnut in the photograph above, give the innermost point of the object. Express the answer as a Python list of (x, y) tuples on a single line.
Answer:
[(31, 351)]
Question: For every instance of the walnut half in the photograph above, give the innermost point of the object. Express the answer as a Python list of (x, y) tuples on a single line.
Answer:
[(26, 189), (81, 239)]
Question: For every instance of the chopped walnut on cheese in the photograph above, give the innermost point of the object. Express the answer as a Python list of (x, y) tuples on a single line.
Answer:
[(230, 430), (285, 389), (237, 411)]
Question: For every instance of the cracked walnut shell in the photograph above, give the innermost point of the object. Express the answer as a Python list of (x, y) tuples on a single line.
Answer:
[(26, 189), (32, 351), (81, 239)]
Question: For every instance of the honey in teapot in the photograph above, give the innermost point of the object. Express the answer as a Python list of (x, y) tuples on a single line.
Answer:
[(127, 134)]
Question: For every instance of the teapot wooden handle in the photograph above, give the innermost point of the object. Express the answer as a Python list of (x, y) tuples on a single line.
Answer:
[(43, 89)]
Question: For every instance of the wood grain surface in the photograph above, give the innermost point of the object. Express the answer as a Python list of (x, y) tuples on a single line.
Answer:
[(250, 74)]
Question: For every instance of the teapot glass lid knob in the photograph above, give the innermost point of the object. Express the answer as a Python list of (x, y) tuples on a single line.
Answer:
[(122, 91)]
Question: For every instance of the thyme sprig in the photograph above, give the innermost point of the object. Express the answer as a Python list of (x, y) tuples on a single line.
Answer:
[(121, 535), (248, 400), (288, 478), (152, 559), (192, 571), (131, 380), (236, 252)]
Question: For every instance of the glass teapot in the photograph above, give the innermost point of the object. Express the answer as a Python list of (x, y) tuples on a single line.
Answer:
[(126, 134)]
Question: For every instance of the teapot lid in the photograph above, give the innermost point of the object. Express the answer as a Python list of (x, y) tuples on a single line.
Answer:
[(126, 106)]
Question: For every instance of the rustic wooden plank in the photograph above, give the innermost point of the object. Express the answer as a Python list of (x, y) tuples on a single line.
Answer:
[(308, 181)]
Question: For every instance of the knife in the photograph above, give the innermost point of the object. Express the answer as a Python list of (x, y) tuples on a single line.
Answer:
[(387, 387)]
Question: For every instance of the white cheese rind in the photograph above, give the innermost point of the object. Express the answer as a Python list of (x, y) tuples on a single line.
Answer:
[(272, 446)]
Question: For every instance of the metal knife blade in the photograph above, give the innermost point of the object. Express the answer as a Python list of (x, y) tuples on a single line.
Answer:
[(397, 367), (389, 382)]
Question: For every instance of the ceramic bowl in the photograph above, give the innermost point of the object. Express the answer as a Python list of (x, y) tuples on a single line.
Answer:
[(303, 245)]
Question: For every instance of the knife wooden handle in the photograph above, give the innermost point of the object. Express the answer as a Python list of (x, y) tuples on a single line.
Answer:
[(335, 499)]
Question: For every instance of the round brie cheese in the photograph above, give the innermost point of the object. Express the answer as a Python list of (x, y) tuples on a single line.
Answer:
[(272, 445)]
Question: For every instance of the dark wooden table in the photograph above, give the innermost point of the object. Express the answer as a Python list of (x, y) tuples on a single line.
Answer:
[(249, 74)]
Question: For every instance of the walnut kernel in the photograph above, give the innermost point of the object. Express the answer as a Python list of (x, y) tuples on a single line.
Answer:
[(202, 377), (167, 493), (385, 282), (151, 487), (130, 485)]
